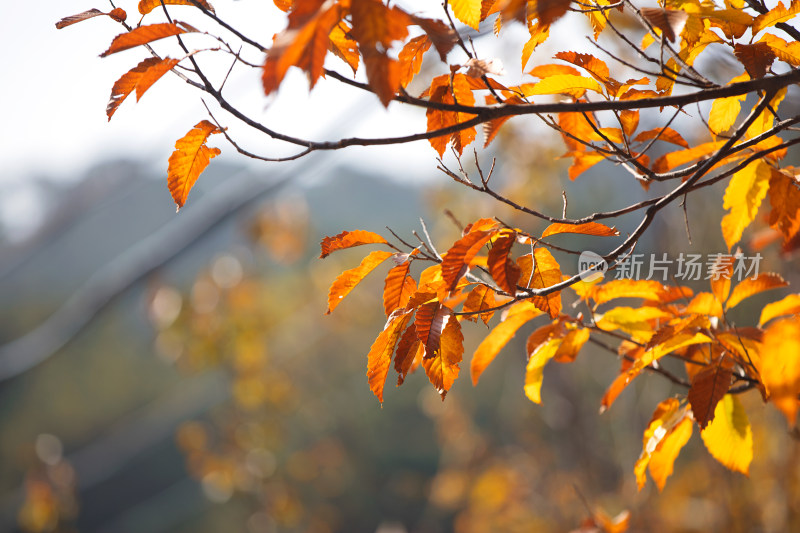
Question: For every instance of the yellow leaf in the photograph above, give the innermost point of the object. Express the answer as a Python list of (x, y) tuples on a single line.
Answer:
[(778, 14), (743, 196), (189, 160), (750, 287), (497, 339), (705, 303), (563, 84), (348, 279), (787, 52), (779, 365), (663, 458), (638, 322), (729, 438), (667, 347), (788, 306), (724, 112), (534, 371), (628, 288), (467, 11)]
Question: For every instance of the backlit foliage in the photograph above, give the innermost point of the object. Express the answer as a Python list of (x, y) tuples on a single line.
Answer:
[(600, 105)]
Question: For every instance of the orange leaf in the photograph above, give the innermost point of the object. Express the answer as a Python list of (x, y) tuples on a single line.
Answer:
[(502, 268), (595, 67), (664, 134), (667, 433), (779, 365), (411, 58), (784, 198), (583, 161), (546, 273), (750, 287), (304, 46), (498, 338), (787, 306), (578, 125), (480, 298), (630, 121), (410, 352), (705, 303), (708, 387), (589, 228), (145, 34), (669, 21), (189, 160), (383, 74), (398, 287), (743, 196), (431, 320), (544, 71), (348, 239), (380, 355), (442, 367), (375, 24), (672, 160), (348, 279), (721, 272), (443, 37), (443, 92), (777, 14), (140, 77), (343, 46), (146, 6), (456, 261)]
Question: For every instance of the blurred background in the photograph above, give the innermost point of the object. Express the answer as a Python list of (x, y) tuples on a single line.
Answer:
[(176, 373)]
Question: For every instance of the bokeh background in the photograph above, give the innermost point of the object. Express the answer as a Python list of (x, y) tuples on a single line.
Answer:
[(176, 373)]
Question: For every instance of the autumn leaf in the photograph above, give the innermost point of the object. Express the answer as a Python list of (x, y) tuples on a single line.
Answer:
[(721, 273), (189, 160), (347, 280), (588, 228), (399, 286), (784, 199), (669, 430), (502, 268), (568, 84), (756, 58), (343, 46), (442, 367), (380, 355), (141, 77), (479, 299), (779, 365), (789, 305), (662, 134), (534, 371), (456, 261), (729, 437), (117, 14), (549, 11), (443, 37), (498, 338), (348, 239), (627, 288), (146, 6), (660, 350), (594, 66), (467, 11), (752, 286), (705, 303), (546, 273), (410, 352), (411, 58), (304, 46), (144, 35), (779, 13), (744, 194), (708, 387), (460, 92), (669, 21)]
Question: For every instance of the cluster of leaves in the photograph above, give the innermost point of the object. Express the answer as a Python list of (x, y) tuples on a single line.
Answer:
[(482, 273)]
